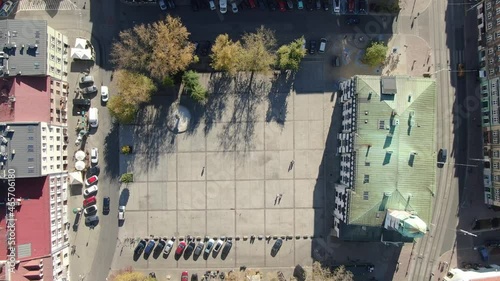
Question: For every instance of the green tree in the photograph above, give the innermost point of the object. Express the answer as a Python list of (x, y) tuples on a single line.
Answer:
[(226, 54), (375, 54), (258, 50), (192, 85), (289, 56)]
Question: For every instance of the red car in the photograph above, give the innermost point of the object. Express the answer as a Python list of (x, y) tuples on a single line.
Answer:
[(252, 4), (351, 6), (91, 181), (180, 249), (185, 274), (282, 5), (89, 201)]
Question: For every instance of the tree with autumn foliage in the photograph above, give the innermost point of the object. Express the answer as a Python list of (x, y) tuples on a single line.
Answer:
[(158, 49), (226, 54)]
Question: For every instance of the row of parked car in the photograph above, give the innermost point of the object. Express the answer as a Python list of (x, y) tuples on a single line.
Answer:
[(186, 248), (189, 247)]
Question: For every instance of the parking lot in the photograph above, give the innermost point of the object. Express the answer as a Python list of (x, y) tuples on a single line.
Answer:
[(225, 182)]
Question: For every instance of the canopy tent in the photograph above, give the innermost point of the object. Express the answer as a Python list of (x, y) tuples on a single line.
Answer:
[(81, 54), (79, 165), (80, 155), (80, 43), (76, 177)]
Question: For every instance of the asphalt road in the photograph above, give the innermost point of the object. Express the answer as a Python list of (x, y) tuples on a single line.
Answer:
[(456, 131)]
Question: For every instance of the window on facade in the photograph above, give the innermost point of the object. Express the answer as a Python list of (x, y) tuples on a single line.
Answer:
[(488, 5), (495, 119), (51, 148), (366, 179), (489, 26), (365, 195), (495, 102), (490, 51), (52, 167), (31, 148), (498, 21), (31, 159), (31, 170), (58, 148), (488, 39)]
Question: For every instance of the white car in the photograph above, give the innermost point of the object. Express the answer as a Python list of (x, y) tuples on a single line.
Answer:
[(223, 6), (104, 93), (92, 209), (90, 190), (168, 247), (163, 7), (235, 7), (121, 213), (218, 245), (94, 155), (212, 4)]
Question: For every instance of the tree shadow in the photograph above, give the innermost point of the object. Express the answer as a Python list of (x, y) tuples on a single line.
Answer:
[(281, 86), (218, 87), (249, 92), (151, 135), (111, 152)]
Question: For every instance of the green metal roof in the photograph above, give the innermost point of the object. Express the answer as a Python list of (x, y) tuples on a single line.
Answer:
[(395, 164)]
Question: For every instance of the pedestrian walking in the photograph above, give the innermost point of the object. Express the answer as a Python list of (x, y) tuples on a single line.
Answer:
[(290, 167)]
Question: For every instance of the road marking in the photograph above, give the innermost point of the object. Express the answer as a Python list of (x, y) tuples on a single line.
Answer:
[(46, 5)]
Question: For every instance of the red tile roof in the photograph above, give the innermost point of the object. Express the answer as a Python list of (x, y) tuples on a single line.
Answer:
[(32, 226), (32, 99)]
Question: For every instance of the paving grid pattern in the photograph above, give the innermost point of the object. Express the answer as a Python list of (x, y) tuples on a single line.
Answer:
[(46, 5), (224, 183)]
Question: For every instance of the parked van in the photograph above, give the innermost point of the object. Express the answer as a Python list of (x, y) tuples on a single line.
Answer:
[(94, 117), (322, 45)]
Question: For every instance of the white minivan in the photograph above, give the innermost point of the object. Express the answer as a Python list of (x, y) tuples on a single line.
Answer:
[(223, 6), (322, 45), (94, 117)]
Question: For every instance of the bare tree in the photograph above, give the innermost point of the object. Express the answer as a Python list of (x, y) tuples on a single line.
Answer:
[(133, 49)]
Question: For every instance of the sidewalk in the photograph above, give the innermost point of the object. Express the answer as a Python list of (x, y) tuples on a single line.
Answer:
[(408, 55)]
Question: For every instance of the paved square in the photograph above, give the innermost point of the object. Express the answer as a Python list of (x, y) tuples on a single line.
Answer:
[(223, 179)]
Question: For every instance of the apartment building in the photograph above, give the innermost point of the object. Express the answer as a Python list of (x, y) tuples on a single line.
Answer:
[(34, 141), (488, 18), (388, 160), (32, 48)]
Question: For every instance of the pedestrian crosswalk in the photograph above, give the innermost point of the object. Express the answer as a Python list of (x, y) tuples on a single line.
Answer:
[(44, 5)]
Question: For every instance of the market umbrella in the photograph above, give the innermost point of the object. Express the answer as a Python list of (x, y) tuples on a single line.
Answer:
[(80, 155), (79, 165)]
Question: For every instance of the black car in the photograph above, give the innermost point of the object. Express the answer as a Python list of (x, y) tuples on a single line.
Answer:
[(442, 155), (77, 221), (152, 275), (276, 247), (105, 208), (326, 5), (81, 102), (93, 171), (318, 4), (194, 277), (189, 248), (262, 4), (227, 248), (272, 5), (171, 4), (160, 246), (140, 247), (289, 4), (310, 5), (362, 7), (351, 21), (312, 47), (194, 5)]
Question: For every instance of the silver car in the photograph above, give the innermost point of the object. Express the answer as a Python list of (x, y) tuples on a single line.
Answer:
[(90, 90)]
